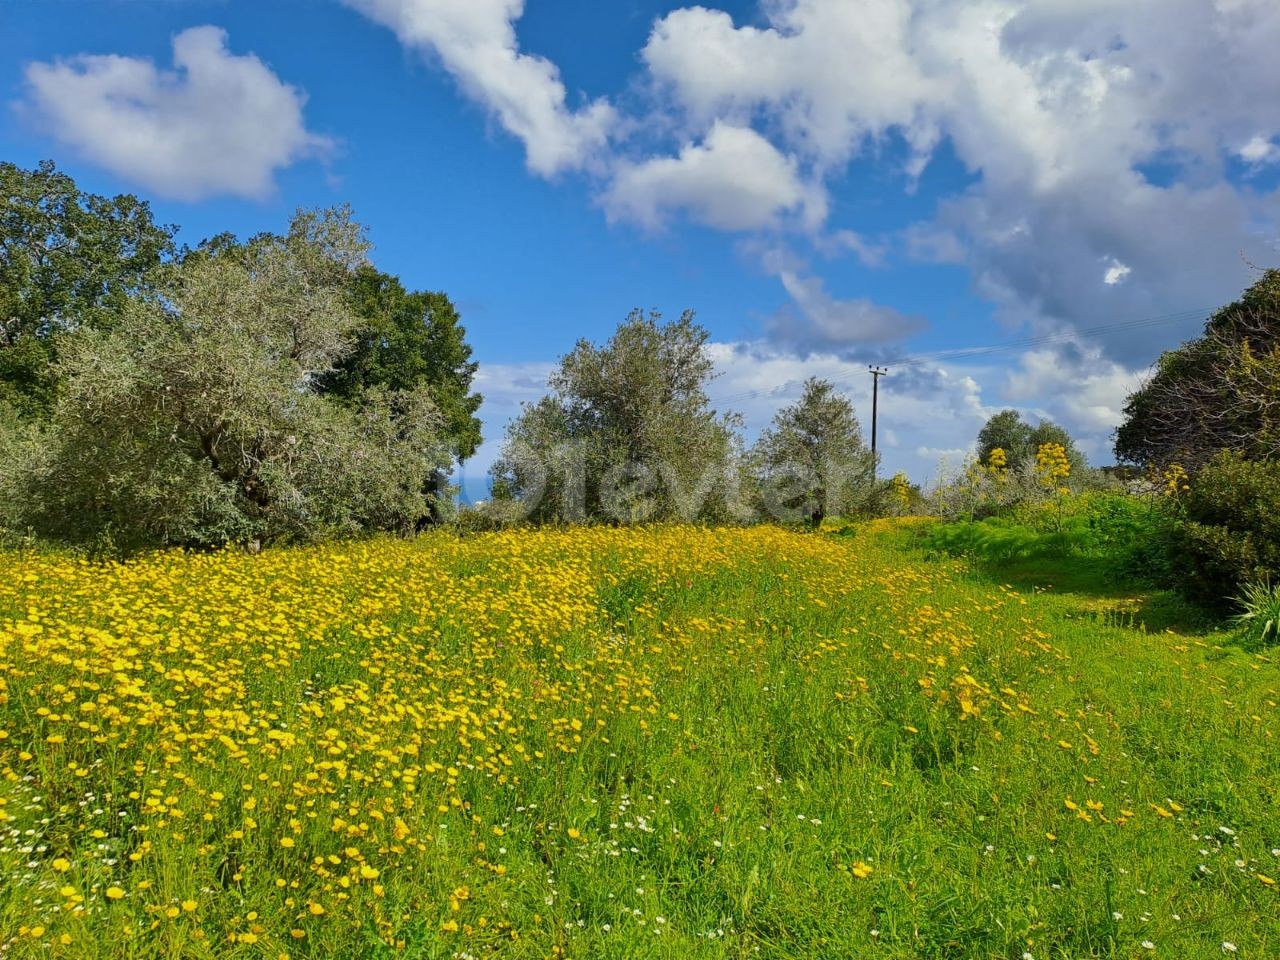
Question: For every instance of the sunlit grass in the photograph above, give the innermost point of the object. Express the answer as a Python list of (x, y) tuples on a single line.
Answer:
[(671, 742)]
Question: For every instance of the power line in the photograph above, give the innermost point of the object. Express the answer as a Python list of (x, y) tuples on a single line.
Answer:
[(1099, 332)]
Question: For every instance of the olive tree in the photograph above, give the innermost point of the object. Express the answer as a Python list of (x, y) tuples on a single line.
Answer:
[(812, 463), (195, 417), (627, 432)]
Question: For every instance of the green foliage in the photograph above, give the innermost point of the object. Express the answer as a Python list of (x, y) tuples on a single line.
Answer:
[(406, 341), (1006, 431), (1126, 537), (486, 517), (999, 540), (23, 444), (68, 260), (1231, 535), (194, 419), (627, 433), (1260, 619), (812, 460), (1019, 440), (1220, 391)]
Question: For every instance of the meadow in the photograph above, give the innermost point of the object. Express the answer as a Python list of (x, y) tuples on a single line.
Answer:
[(604, 743)]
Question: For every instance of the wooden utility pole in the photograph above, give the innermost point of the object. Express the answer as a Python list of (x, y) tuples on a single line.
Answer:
[(876, 374)]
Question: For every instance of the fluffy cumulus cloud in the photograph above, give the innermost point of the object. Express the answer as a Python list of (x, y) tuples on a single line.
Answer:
[(1076, 384), (475, 40), (1106, 141), (1101, 134), (734, 179), (828, 72), (217, 123)]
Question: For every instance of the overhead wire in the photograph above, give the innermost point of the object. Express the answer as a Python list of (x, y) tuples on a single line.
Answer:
[(1101, 331)]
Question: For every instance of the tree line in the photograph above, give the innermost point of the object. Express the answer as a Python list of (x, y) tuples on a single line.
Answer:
[(276, 388), (628, 433), (282, 388)]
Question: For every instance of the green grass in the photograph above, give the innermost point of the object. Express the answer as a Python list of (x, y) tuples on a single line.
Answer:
[(803, 782)]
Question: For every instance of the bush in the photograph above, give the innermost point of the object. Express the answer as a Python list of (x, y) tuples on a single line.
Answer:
[(1231, 535), (488, 516)]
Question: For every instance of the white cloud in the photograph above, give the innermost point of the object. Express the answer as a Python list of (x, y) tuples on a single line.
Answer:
[(817, 320), (1075, 383), (1260, 150), (1058, 107), (218, 123), (734, 180), (829, 73), (1116, 273), (476, 42)]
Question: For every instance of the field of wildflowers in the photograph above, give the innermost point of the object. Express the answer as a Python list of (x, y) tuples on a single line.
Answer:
[(666, 742)]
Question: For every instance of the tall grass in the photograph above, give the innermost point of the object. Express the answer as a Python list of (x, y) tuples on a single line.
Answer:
[(674, 743)]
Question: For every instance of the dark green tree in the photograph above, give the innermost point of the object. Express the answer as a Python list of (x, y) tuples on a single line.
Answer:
[(1218, 392), (410, 340), (1020, 441), (69, 260), (1007, 431)]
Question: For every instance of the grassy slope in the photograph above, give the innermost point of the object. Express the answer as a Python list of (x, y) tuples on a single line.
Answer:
[(737, 743)]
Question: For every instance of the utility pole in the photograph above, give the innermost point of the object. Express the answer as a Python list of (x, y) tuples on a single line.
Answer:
[(876, 374)]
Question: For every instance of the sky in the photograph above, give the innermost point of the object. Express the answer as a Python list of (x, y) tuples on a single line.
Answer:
[(1008, 203)]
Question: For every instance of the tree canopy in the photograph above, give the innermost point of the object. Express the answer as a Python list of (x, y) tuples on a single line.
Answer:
[(68, 260), (1020, 441), (627, 432), (405, 341), (812, 459), (1218, 392), (195, 418)]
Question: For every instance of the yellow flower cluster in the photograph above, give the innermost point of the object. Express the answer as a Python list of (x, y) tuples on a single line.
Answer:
[(1174, 480), (1052, 465), (998, 462)]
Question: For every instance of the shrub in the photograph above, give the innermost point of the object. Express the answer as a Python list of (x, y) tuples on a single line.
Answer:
[(486, 517), (1231, 535)]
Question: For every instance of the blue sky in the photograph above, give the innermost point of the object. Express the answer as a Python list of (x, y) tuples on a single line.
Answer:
[(826, 182)]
